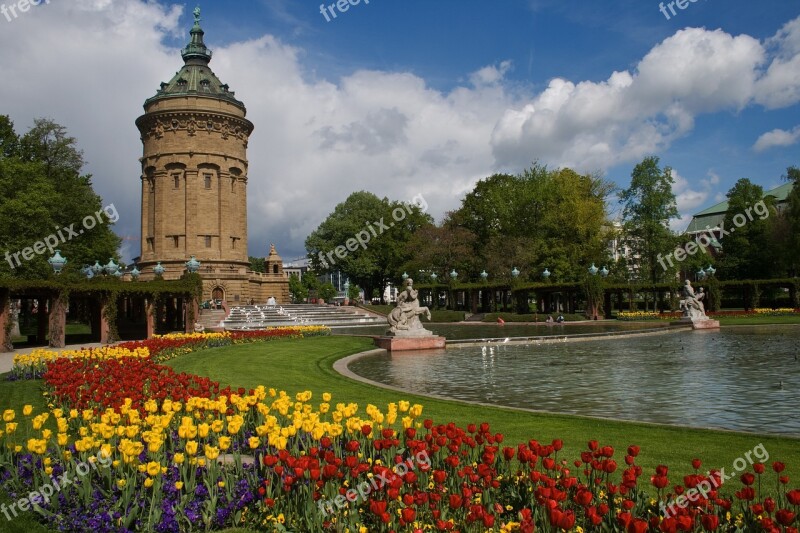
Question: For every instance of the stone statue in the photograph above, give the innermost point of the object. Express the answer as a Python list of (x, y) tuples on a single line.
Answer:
[(404, 319), (692, 303)]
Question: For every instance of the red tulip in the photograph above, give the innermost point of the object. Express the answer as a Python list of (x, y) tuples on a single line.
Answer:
[(710, 522), (785, 517)]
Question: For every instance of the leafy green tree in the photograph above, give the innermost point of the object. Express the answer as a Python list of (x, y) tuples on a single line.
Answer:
[(297, 290), (353, 292), (743, 246), (43, 197), (257, 264), (365, 237), (9, 142), (792, 217), (541, 218), (327, 292), (649, 205), (440, 249)]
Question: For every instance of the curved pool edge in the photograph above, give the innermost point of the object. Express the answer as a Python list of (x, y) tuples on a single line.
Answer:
[(342, 367), (575, 337)]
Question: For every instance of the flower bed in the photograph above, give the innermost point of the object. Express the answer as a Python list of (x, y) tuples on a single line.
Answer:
[(655, 315), (154, 450), (161, 347), (326, 469)]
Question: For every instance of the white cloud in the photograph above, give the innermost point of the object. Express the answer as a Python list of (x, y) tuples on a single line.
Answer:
[(780, 85), (599, 124), (91, 64), (777, 137)]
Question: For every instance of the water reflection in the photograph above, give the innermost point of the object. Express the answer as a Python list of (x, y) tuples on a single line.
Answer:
[(488, 331), (744, 378)]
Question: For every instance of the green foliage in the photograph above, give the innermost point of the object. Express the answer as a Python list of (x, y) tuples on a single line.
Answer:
[(541, 218), (649, 205), (714, 302), (353, 292), (792, 217), (743, 249), (257, 264), (593, 290), (327, 292), (41, 194), (297, 290), (364, 215)]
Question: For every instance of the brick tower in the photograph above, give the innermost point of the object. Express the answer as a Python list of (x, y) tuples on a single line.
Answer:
[(194, 182)]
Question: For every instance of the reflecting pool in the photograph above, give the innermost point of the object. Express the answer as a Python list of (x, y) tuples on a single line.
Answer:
[(739, 378), (488, 330)]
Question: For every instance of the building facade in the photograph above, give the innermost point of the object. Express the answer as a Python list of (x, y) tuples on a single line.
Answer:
[(194, 184)]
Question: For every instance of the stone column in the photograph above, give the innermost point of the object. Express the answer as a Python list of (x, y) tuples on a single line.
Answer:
[(58, 321), (105, 328), (5, 317), (150, 312)]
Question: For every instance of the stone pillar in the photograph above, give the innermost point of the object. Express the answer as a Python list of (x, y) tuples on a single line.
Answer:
[(150, 316), (5, 317), (192, 314), (105, 328), (58, 321)]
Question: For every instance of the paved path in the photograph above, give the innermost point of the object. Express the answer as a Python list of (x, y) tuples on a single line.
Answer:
[(7, 359)]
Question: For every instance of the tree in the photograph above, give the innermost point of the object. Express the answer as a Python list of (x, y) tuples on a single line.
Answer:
[(45, 199), (366, 237), (9, 142), (743, 245), (541, 218), (353, 292), (441, 249), (327, 292), (792, 217), (649, 205), (257, 264), (297, 290)]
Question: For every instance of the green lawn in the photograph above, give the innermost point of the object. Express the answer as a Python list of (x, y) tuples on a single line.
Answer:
[(307, 364), (759, 320)]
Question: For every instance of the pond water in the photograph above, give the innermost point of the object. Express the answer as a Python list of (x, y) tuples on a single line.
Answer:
[(488, 331), (738, 378)]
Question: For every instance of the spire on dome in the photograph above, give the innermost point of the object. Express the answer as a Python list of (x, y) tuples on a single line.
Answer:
[(196, 50)]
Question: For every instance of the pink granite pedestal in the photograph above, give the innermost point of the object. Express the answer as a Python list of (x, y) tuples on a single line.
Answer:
[(400, 344), (699, 323), (705, 324)]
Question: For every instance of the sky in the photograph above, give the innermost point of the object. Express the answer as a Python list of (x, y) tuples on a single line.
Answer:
[(423, 97)]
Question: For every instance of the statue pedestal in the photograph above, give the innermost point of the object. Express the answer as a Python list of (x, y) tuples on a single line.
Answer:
[(706, 323), (700, 323), (406, 343)]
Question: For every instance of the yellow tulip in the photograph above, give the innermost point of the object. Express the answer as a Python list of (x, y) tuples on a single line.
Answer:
[(191, 447), (178, 458), (27, 410), (210, 452), (153, 468)]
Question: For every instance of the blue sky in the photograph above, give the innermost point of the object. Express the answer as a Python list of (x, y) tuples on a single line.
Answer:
[(403, 98)]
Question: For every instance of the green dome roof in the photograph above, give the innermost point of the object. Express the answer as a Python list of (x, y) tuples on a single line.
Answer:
[(196, 78)]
